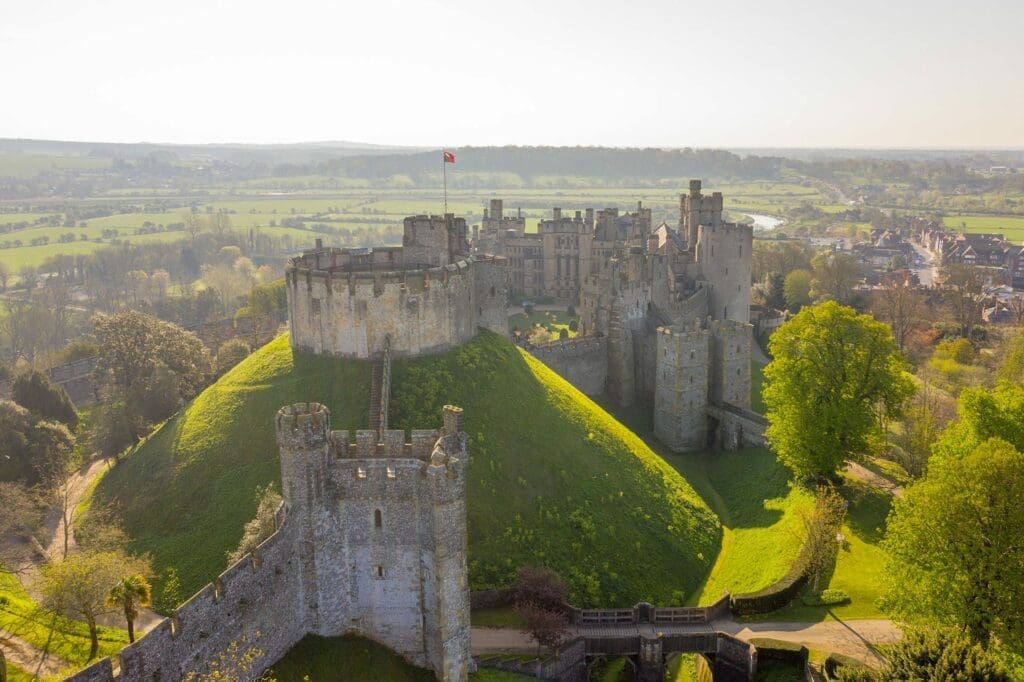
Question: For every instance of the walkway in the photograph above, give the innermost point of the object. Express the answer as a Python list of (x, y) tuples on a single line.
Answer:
[(877, 480), (30, 659), (856, 638)]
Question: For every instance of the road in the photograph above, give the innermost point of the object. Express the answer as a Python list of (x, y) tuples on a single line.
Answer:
[(928, 273)]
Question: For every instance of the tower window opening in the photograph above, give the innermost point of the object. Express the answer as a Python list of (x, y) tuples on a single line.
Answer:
[(392, 473), (360, 472), (377, 517), (380, 571)]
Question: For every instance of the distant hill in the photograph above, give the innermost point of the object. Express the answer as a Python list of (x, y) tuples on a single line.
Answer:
[(553, 478)]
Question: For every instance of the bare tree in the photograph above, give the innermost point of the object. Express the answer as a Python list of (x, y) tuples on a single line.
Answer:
[(965, 293), (899, 304), (1016, 305)]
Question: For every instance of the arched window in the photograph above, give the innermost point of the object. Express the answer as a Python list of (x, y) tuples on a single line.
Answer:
[(377, 519)]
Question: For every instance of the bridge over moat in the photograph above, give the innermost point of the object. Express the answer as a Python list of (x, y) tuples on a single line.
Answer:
[(646, 636)]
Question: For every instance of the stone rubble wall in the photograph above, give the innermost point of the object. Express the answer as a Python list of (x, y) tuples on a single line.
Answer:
[(582, 361)]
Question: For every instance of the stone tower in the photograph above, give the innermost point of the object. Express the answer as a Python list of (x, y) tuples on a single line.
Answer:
[(379, 527)]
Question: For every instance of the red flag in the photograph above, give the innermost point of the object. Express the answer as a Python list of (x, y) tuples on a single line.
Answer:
[(449, 157)]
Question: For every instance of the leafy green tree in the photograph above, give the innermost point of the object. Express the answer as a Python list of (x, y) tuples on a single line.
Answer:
[(821, 525), (925, 654), (797, 290), (955, 544), (128, 594), (774, 288), (985, 413), (169, 596), (835, 375), (79, 586), (35, 391)]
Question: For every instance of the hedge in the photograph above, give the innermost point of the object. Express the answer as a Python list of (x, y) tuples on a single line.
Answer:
[(774, 596), (835, 661), (780, 650)]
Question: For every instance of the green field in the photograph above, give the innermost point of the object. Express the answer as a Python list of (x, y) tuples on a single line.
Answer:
[(577, 488), (1011, 227), (65, 638), (28, 165)]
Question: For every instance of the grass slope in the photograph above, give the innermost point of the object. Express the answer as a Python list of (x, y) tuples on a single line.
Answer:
[(553, 478), (362, 660)]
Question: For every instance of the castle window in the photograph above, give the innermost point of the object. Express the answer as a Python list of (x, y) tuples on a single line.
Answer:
[(712, 250), (377, 518), (737, 371), (360, 472), (391, 473), (691, 355), (492, 291), (314, 306), (380, 571)]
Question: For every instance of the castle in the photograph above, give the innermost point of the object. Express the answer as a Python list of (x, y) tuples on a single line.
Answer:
[(664, 313), (371, 536)]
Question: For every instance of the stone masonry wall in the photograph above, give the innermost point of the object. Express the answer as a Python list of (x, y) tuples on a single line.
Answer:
[(730, 352), (680, 396), (371, 539), (583, 361), (348, 315)]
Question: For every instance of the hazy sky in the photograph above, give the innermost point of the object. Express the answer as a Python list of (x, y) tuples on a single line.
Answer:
[(455, 72)]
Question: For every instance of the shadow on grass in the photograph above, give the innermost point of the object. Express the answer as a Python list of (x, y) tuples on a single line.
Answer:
[(869, 509)]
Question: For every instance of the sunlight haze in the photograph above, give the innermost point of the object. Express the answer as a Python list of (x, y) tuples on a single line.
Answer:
[(456, 72)]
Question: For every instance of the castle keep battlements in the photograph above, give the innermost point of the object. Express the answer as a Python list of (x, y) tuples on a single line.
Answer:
[(428, 295)]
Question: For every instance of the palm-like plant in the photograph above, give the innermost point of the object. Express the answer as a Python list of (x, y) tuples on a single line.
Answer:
[(129, 594)]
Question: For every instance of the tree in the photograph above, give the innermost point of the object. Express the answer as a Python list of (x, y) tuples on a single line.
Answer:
[(546, 627), (835, 375), (34, 391), (169, 596), (985, 413), (797, 290), (923, 654), (1012, 367), (20, 517), (774, 288), (821, 525), (964, 287), (898, 304), (540, 586), (1016, 305), (128, 594), (5, 276), (79, 586), (262, 526), (955, 547), (29, 278), (835, 276), (230, 353)]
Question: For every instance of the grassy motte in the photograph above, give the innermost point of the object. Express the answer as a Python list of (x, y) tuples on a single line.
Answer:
[(553, 478)]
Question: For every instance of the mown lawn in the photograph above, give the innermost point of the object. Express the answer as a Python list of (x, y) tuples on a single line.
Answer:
[(65, 638), (553, 478), (860, 564)]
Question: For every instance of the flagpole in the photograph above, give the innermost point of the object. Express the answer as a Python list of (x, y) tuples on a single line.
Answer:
[(444, 174)]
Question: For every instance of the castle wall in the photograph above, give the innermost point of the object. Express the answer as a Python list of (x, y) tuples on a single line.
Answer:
[(680, 396), (491, 284), (349, 314), (730, 351), (582, 361), (724, 252), (252, 605)]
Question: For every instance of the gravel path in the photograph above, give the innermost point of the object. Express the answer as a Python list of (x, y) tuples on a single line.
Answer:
[(868, 476)]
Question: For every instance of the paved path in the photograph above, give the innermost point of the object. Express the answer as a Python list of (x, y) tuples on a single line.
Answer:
[(27, 657), (868, 476), (855, 638)]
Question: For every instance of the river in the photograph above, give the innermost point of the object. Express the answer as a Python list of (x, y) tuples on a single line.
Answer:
[(764, 222)]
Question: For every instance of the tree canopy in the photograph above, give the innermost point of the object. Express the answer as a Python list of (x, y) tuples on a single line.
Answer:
[(955, 544), (834, 373)]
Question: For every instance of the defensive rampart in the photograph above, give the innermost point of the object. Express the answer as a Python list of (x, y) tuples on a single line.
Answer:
[(583, 362)]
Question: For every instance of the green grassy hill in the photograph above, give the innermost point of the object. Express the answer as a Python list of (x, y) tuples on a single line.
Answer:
[(553, 478)]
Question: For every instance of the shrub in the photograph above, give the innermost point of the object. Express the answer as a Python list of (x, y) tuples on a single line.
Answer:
[(836, 661), (35, 392), (540, 586), (230, 353), (826, 598), (779, 650)]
